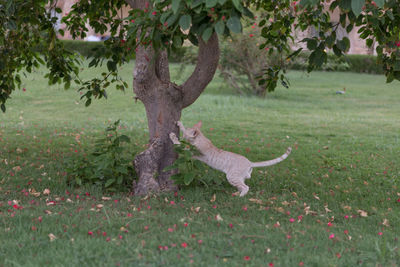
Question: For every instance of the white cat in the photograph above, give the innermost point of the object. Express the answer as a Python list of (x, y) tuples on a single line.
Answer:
[(236, 167)]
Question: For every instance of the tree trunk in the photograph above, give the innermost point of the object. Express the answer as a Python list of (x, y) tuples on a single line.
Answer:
[(164, 101)]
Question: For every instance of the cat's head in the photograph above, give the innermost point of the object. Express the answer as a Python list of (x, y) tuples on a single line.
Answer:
[(191, 133)]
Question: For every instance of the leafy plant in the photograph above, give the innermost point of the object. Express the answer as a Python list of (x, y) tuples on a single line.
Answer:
[(107, 166), (243, 63), (190, 170)]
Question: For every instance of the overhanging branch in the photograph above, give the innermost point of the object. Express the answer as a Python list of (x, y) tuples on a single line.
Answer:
[(207, 63)]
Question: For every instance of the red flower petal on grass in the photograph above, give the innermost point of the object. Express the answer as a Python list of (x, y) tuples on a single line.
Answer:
[(246, 258), (184, 245)]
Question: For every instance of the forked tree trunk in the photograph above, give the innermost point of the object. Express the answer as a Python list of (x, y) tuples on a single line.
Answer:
[(164, 101)]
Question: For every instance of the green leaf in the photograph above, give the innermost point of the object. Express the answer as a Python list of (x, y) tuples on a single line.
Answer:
[(164, 17), (111, 65), (220, 27), (234, 24), (389, 77), (207, 34), (122, 169), (337, 51), (109, 182), (177, 41), (380, 3), (349, 28), (238, 5), (185, 21), (188, 178), (247, 12), (3, 107), (221, 2), (369, 42), (196, 3), (171, 20), (346, 4), (390, 14), (356, 6), (312, 44), (211, 3), (193, 39), (168, 168), (88, 102), (330, 41), (396, 66), (343, 44), (175, 5)]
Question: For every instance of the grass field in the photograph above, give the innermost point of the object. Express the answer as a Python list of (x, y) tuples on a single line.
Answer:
[(334, 202)]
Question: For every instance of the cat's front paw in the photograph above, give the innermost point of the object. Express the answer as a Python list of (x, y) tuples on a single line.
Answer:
[(174, 139), (179, 124)]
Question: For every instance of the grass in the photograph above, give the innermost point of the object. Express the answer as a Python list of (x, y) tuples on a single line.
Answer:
[(333, 202)]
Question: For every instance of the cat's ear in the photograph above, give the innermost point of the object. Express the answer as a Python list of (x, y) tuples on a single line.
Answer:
[(198, 125), (195, 133)]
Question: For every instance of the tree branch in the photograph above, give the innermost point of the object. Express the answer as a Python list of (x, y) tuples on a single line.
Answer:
[(207, 63)]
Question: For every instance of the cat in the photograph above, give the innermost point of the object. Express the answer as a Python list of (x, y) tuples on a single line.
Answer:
[(236, 167)]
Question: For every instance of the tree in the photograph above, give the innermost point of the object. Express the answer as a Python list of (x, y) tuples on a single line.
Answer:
[(154, 28)]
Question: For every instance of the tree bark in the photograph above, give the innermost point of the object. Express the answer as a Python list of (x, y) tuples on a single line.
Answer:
[(164, 101)]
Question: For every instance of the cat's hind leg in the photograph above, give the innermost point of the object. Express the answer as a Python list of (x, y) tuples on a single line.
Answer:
[(238, 182)]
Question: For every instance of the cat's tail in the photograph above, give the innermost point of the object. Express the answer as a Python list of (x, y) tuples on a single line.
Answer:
[(272, 161)]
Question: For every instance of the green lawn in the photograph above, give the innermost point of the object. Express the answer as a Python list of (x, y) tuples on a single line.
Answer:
[(334, 202)]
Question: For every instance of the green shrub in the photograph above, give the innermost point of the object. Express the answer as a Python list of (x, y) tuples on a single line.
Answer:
[(352, 63), (333, 63), (242, 64), (107, 166), (191, 171), (364, 64)]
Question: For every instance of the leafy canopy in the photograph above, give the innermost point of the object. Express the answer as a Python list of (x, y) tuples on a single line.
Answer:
[(28, 38)]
